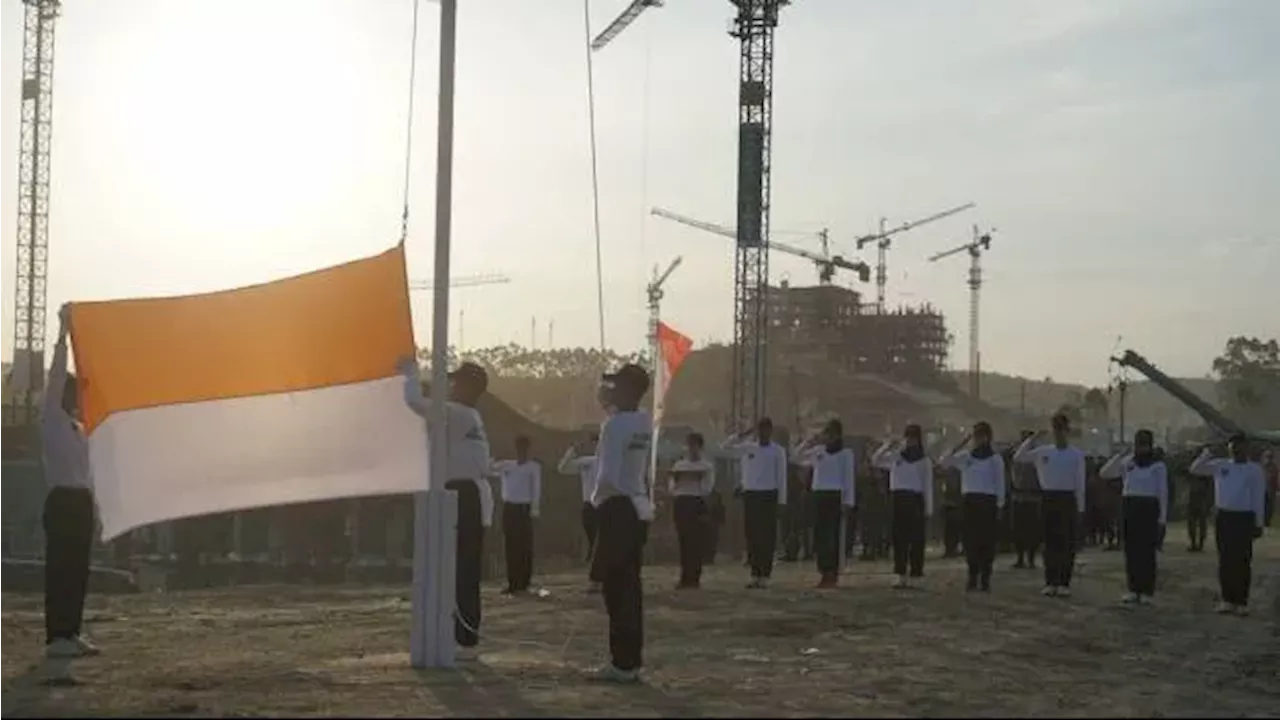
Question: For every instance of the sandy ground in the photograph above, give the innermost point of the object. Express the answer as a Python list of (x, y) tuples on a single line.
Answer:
[(864, 649)]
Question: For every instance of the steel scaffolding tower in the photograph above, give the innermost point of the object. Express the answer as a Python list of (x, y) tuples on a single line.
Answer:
[(33, 205), (753, 28)]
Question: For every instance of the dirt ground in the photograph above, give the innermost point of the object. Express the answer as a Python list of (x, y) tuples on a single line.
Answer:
[(864, 649)]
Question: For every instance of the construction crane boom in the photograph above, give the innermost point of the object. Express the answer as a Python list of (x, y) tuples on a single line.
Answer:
[(464, 281), (980, 244), (39, 23), (1207, 412), (621, 22), (826, 263), (884, 239)]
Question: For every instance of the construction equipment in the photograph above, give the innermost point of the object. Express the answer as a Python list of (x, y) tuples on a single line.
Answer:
[(884, 239), (621, 22), (464, 281), (1211, 415), (753, 27), (981, 243), (39, 23), (827, 264)]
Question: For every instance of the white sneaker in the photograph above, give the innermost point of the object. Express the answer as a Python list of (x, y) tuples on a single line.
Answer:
[(609, 673), (1130, 598), (463, 653), (87, 648), (63, 649), (1049, 590), (1146, 600), (1241, 610), (900, 582), (1225, 608), (1064, 592)]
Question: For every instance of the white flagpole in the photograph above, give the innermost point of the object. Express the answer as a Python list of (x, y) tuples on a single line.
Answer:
[(659, 390), (430, 646)]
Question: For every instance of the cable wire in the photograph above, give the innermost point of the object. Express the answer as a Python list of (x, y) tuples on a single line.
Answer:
[(408, 134), (595, 176)]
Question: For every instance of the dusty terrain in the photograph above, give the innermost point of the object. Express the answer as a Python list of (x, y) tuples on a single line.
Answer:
[(862, 650)]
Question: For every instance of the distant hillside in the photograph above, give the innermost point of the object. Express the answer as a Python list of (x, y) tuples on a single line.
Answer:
[(1148, 404)]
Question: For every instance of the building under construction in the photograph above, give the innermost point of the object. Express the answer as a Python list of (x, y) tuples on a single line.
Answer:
[(826, 326)]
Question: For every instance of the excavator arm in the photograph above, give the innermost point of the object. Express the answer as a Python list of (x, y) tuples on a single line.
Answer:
[(1209, 413)]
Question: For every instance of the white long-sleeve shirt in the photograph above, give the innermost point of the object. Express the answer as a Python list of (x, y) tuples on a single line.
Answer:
[(1059, 469), (584, 467), (979, 476), (622, 460), (832, 472), (66, 450), (910, 476), (764, 467), (1237, 486), (1151, 481), (701, 478), (521, 483), (467, 445)]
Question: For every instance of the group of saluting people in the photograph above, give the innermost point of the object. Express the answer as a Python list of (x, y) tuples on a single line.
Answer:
[(617, 507)]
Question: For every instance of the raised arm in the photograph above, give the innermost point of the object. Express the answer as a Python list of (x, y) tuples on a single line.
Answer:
[(883, 456), (408, 368), (569, 463), (1027, 450), (806, 454), (1205, 464), (57, 383), (736, 446), (1114, 468)]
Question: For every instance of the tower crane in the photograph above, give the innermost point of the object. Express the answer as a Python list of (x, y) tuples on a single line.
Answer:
[(827, 264), (39, 22), (753, 27), (620, 23), (463, 281), (980, 244), (884, 238)]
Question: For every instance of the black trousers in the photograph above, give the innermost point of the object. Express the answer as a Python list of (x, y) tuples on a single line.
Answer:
[(828, 510), (1198, 506), (470, 555), (1059, 513), (589, 527), (1141, 537), (952, 516), (760, 512), (1234, 531), (981, 525), (908, 532), (517, 536), (616, 566), (68, 537), (691, 533), (1026, 529)]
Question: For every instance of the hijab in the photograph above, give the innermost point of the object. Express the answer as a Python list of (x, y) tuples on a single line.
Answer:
[(983, 451), (913, 452), (1144, 458)]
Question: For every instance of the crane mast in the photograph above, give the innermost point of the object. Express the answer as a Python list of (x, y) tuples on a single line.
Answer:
[(40, 20), (753, 27), (980, 244)]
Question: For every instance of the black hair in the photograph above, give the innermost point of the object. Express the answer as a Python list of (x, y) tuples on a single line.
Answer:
[(523, 440), (1060, 420), (982, 427), (695, 438), (913, 430)]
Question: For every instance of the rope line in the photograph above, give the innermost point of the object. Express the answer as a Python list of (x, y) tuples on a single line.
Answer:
[(595, 176), (408, 134)]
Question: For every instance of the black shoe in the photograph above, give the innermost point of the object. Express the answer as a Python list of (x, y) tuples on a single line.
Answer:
[(985, 584)]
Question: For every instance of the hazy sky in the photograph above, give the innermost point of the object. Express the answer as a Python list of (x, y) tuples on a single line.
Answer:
[(1126, 151)]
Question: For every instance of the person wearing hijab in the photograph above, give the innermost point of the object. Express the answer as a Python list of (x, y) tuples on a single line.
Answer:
[(911, 497), (1062, 470), (982, 481), (833, 490), (1239, 494), (1145, 509)]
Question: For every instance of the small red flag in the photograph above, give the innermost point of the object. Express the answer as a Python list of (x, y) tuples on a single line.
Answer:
[(674, 346)]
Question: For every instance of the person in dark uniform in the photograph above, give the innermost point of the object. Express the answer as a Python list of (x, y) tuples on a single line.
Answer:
[(951, 511), (1025, 498)]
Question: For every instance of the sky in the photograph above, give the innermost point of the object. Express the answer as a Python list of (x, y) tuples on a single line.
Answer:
[(1124, 152)]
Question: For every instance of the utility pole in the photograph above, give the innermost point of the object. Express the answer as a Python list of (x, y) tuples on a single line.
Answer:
[(1123, 387), (39, 23)]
